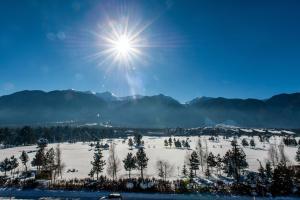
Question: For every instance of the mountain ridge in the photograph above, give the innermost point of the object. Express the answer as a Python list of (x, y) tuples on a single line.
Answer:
[(37, 106)]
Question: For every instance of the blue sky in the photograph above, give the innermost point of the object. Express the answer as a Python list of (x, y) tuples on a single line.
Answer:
[(237, 49)]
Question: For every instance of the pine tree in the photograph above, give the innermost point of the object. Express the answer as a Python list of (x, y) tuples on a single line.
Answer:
[(245, 142), (187, 144), (13, 164), (234, 161), (207, 172), (142, 161), (39, 159), (129, 163), (49, 159), (97, 164), (194, 162), (166, 143), (170, 142), (252, 143), (211, 161), (177, 143), (268, 170), (24, 159), (49, 163), (130, 143), (184, 171), (282, 182), (227, 163), (218, 163), (138, 140), (5, 166), (191, 174)]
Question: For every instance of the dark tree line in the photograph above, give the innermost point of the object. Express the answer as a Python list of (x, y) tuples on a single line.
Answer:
[(29, 135)]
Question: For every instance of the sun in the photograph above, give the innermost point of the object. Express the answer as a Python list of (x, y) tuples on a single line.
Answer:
[(120, 43), (123, 46)]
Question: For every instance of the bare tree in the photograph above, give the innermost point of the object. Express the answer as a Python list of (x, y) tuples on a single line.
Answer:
[(273, 154), (165, 169), (113, 162), (201, 153), (283, 157), (58, 162)]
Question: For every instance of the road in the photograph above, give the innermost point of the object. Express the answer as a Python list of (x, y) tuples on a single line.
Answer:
[(83, 195)]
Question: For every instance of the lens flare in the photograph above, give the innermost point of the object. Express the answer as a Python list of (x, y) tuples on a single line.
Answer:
[(119, 44)]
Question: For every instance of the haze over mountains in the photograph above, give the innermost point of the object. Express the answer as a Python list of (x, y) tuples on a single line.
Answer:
[(37, 107)]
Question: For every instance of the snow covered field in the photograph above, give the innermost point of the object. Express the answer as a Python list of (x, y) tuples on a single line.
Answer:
[(79, 155)]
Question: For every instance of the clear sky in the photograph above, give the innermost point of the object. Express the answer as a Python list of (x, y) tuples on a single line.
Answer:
[(189, 48)]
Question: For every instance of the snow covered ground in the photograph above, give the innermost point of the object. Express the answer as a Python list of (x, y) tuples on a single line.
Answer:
[(79, 155)]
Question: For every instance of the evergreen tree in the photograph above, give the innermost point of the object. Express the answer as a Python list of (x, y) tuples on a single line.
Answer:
[(211, 161), (129, 163), (138, 140), (130, 143), (252, 143), (49, 163), (282, 182), (227, 163), (207, 172), (26, 136), (38, 159), (5, 166), (13, 164), (268, 170), (194, 162), (191, 174), (97, 164), (245, 142), (24, 159), (142, 161), (177, 143), (49, 159), (187, 144), (184, 171), (166, 143), (170, 142), (218, 163), (234, 161)]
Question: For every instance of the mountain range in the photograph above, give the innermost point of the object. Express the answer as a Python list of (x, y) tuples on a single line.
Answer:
[(159, 111)]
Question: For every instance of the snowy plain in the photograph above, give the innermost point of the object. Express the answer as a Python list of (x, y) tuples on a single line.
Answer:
[(79, 155)]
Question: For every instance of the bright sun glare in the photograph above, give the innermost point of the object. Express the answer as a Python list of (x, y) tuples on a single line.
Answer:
[(123, 46)]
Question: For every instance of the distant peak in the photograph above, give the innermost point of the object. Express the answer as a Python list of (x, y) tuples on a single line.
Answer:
[(199, 99)]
